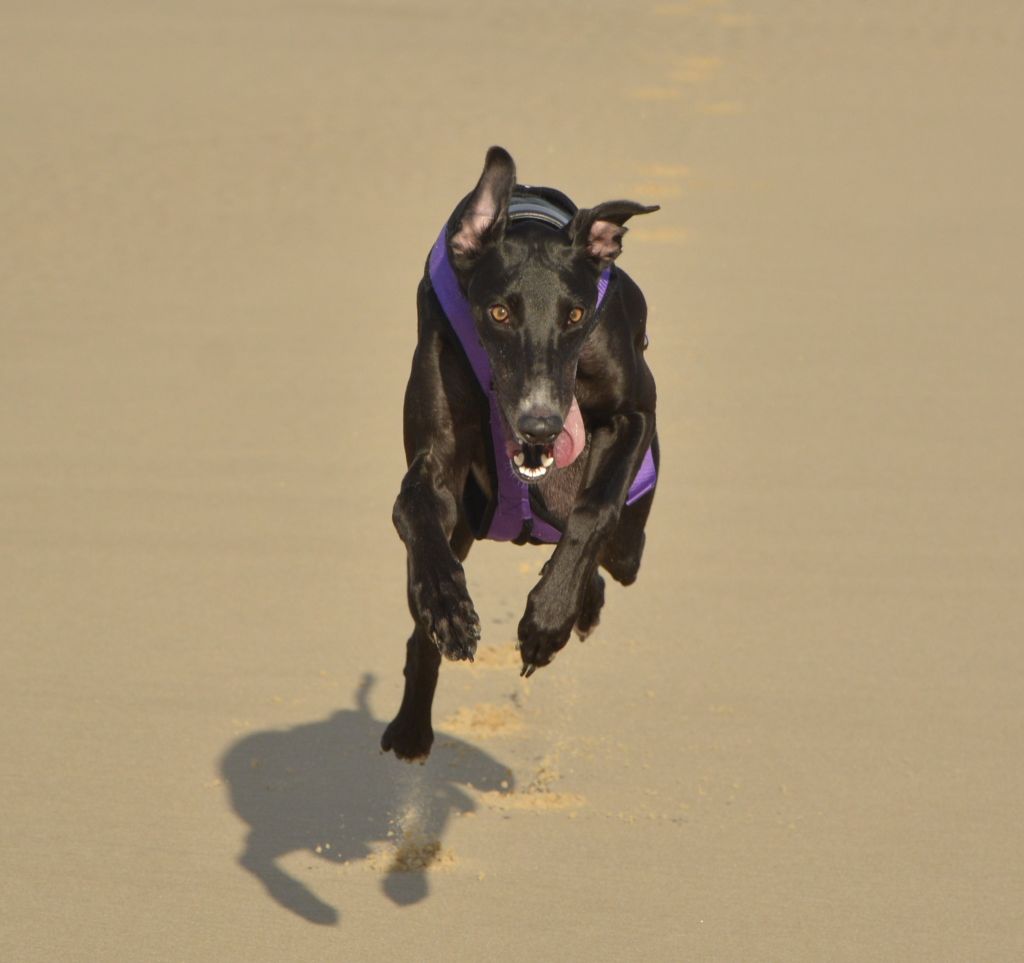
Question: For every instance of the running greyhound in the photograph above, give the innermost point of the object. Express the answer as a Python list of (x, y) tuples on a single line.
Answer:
[(529, 417)]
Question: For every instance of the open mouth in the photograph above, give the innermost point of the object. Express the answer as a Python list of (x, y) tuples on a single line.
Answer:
[(531, 462)]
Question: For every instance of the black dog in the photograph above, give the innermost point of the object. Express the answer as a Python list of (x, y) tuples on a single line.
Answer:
[(529, 417)]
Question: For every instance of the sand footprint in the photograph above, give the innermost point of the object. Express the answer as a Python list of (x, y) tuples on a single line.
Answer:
[(538, 796)]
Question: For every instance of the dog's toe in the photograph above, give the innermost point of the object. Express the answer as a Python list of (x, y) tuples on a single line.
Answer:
[(457, 642), (456, 634)]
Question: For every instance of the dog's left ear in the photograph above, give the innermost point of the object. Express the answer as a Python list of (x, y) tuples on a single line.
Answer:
[(487, 211), (599, 229)]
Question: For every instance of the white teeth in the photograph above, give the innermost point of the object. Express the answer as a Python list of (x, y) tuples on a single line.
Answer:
[(539, 472), (532, 472)]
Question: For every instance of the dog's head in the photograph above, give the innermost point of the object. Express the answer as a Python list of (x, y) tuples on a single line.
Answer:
[(533, 292)]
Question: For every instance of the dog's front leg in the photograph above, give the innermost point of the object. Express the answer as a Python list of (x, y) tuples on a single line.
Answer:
[(425, 516), (616, 451)]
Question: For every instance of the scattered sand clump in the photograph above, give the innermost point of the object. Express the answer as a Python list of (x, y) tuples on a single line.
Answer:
[(414, 850), (484, 720), (532, 800), (538, 795), (496, 657)]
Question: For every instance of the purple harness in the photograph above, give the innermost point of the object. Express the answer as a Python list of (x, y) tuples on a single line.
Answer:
[(513, 516)]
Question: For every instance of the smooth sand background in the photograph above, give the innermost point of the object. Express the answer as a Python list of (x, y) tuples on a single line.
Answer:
[(798, 737)]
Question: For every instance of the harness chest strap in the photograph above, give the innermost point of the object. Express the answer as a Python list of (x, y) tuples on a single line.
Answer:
[(512, 513)]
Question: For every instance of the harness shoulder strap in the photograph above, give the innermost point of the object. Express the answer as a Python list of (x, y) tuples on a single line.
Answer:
[(513, 518)]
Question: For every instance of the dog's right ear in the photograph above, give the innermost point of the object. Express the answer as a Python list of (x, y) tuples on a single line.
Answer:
[(486, 213)]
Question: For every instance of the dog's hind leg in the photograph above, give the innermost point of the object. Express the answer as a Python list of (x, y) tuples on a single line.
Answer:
[(411, 734), (621, 554), (590, 610)]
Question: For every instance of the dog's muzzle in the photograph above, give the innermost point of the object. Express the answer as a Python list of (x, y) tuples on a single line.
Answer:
[(545, 442)]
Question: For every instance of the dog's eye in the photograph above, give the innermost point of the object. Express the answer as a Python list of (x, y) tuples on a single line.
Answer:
[(575, 315), (499, 313)]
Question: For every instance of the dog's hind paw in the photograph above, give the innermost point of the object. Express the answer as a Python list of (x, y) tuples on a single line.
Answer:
[(408, 742)]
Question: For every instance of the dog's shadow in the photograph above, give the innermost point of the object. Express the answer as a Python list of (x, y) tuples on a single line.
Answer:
[(324, 788)]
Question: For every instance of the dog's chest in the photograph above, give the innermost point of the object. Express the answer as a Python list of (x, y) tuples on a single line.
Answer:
[(553, 497), (557, 492)]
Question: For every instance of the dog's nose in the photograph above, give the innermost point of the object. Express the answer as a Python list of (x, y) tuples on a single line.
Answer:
[(539, 429)]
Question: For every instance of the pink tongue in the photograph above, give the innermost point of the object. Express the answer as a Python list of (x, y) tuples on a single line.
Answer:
[(570, 442)]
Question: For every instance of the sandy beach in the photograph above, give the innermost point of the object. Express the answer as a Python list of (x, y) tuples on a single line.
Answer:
[(798, 737)]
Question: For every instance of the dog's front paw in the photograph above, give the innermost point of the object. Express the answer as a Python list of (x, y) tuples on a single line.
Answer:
[(447, 616), (543, 631)]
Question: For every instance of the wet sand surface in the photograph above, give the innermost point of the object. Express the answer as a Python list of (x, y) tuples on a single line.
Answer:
[(798, 737)]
